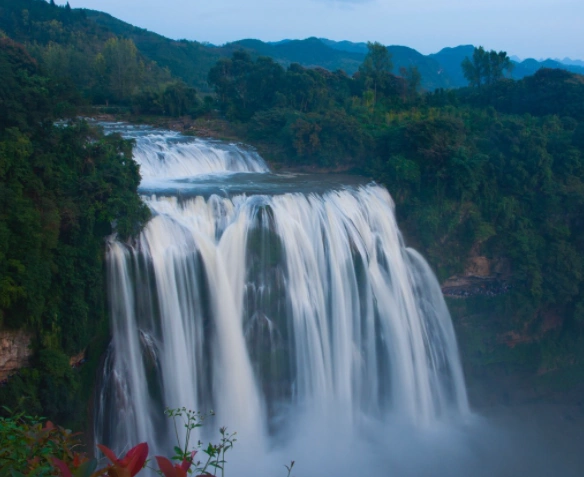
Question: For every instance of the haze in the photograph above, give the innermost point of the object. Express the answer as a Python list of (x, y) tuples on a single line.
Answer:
[(526, 28)]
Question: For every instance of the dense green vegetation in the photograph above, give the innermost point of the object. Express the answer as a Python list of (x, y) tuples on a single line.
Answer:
[(105, 68), (27, 447), (63, 189), (34, 447)]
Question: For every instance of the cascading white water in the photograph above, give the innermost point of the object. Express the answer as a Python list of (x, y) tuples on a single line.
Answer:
[(263, 306)]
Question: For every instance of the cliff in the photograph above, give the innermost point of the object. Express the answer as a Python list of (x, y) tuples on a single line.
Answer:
[(15, 352)]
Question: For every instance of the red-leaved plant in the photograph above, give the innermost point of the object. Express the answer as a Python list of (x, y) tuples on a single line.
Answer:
[(136, 458), (132, 463), (170, 470)]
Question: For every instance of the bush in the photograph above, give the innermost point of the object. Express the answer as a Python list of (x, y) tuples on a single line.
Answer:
[(28, 446)]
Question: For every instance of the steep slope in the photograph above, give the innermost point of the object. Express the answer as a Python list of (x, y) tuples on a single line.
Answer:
[(433, 74), (450, 60), (187, 60)]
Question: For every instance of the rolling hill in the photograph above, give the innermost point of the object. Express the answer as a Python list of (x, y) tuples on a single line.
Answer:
[(191, 61)]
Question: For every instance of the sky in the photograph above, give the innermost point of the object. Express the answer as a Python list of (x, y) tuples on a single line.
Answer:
[(525, 28)]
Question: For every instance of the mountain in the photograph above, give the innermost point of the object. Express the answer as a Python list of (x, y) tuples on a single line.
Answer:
[(310, 52), (346, 46), (529, 66), (346, 56), (570, 61), (450, 60), (433, 74), (85, 32)]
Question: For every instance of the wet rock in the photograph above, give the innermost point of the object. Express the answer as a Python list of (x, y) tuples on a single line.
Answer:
[(15, 352)]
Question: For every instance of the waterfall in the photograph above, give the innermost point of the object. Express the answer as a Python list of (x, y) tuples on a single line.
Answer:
[(261, 306)]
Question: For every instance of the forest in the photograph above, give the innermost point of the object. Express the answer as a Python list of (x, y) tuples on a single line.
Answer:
[(62, 186), (494, 170)]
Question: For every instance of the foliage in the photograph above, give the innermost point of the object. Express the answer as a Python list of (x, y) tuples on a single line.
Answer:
[(376, 68), (122, 66), (28, 446), (486, 67), (50, 386), (191, 420), (245, 87), (175, 99), (547, 92), (63, 189), (77, 53)]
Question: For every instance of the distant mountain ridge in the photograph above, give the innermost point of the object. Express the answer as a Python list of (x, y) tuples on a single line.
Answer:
[(191, 61), (570, 61), (311, 52)]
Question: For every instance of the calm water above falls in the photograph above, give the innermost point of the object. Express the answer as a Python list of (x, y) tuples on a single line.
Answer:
[(290, 306)]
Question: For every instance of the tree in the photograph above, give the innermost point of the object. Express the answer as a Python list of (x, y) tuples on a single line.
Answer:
[(123, 67), (244, 86), (413, 79), (498, 64), (377, 61), (376, 67), (486, 67), (179, 99)]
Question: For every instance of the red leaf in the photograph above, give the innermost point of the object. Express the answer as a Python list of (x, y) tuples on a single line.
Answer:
[(62, 467), (166, 467), (108, 453), (135, 458)]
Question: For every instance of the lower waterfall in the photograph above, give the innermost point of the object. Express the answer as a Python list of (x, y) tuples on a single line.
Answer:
[(270, 308)]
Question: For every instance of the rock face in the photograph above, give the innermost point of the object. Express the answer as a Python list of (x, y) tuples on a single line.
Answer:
[(481, 276), (15, 352)]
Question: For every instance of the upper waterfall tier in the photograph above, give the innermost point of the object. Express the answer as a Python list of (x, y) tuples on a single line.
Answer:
[(169, 155)]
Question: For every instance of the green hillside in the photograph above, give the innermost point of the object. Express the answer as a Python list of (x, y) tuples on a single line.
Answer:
[(188, 60)]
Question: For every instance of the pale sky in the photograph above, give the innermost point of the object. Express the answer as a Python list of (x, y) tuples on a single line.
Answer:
[(526, 28)]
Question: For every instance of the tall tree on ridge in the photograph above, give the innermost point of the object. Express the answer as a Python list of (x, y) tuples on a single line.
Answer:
[(486, 67), (376, 66)]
